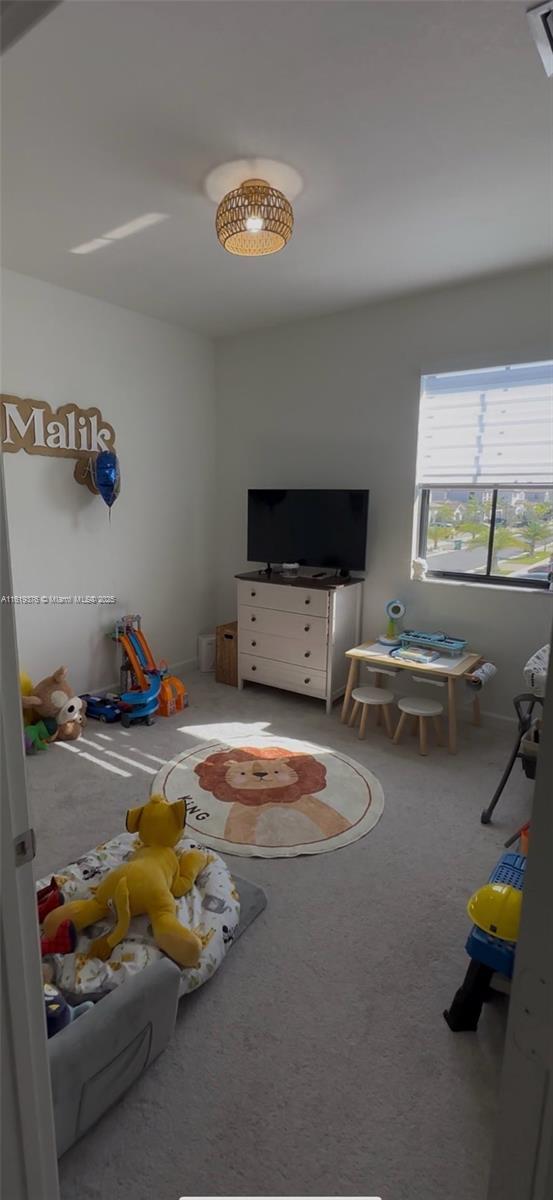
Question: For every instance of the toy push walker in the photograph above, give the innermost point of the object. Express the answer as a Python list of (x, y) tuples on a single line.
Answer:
[(146, 688), (495, 910)]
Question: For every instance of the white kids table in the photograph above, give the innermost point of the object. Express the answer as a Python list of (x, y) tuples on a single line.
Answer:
[(445, 667)]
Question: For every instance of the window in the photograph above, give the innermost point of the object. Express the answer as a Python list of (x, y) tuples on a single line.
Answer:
[(485, 475)]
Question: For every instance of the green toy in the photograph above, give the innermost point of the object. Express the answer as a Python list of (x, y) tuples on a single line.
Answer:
[(37, 737), (395, 610)]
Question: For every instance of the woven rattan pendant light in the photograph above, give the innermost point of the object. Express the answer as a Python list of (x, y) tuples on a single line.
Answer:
[(254, 219)]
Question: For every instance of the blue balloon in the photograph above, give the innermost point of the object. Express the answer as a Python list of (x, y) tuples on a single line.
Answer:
[(106, 475)]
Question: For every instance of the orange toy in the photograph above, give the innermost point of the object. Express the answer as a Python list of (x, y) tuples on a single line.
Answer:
[(140, 665)]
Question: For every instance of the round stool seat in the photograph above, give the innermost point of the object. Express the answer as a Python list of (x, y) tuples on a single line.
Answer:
[(420, 706), (372, 695)]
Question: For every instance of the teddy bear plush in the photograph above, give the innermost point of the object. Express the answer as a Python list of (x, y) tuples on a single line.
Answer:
[(53, 702)]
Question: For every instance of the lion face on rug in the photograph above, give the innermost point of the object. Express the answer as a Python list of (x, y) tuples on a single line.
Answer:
[(256, 776), (270, 791)]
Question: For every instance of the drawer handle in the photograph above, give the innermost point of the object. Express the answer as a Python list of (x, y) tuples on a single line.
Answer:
[(306, 628), (254, 643), (253, 593), (307, 654), (253, 618), (308, 600), (254, 668), (308, 680)]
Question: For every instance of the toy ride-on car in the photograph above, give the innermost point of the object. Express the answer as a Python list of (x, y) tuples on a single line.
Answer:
[(101, 708)]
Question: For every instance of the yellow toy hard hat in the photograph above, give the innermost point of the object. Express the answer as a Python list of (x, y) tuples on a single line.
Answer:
[(496, 908)]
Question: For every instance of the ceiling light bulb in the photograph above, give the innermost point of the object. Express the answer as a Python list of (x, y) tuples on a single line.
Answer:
[(254, 219)]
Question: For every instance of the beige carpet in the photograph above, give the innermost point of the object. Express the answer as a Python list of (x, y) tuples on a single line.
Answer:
[(317, 1060)]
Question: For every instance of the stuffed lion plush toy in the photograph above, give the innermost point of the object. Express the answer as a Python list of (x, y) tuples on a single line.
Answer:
[(148, 884)]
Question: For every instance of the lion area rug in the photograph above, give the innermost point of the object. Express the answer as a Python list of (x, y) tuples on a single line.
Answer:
[(272, 798)]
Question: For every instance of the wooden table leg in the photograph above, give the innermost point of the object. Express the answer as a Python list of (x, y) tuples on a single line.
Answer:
[(363, 723), (351, 683), (385, 708), (378, 683), (451, 715), (476, 709), (399, 728), (423, 738)]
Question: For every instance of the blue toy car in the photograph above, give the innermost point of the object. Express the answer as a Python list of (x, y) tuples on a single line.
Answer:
[(101, 708)]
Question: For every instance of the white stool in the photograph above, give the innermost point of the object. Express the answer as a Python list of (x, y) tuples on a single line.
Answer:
[(372, 697), (421, 709)]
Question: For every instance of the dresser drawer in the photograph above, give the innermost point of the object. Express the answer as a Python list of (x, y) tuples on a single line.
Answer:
[(313, 630), (285, 599), (288, 650), (282, 675)]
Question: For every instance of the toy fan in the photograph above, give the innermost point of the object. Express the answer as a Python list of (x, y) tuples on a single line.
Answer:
[(395, 610)]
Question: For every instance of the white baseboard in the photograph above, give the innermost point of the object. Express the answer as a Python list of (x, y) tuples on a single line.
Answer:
[(500, 717), (181, 669), (103, 688)]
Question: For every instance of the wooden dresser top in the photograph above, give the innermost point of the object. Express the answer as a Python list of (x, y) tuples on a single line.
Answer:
[(327, 584)]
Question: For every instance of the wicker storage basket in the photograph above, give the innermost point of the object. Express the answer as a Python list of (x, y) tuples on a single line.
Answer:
[(226, 661)]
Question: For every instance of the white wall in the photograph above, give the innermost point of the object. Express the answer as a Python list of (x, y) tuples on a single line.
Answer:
[(326, 402), (154, 383), (333, 402)]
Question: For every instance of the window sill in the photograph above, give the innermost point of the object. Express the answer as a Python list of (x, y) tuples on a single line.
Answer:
[(484, 587)]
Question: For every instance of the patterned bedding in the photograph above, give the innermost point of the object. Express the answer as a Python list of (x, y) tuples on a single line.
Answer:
[(212, 907)]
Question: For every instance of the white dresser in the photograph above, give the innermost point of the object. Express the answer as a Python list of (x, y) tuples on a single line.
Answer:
[(293, 634)]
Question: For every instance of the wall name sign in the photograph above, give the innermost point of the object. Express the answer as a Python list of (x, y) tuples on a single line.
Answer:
[(68, 432)]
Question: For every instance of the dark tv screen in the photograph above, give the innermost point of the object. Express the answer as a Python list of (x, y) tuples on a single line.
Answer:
[(312, 527)]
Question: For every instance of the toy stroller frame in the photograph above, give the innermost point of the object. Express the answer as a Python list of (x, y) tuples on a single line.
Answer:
[(524, 704)]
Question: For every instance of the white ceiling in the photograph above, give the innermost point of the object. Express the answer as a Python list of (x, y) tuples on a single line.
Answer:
[(422, 132)]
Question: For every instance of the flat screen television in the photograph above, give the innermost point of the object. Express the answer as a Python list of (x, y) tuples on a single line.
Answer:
[(313, 527)]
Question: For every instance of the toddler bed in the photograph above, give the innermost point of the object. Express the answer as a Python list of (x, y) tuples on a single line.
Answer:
[(212, 907), (94, 1060)]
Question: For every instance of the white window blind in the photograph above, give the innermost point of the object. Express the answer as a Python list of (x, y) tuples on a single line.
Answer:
[(491, 427)]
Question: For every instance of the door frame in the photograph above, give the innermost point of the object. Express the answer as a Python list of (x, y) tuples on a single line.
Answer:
[(29, 1161), (522, 1163)]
